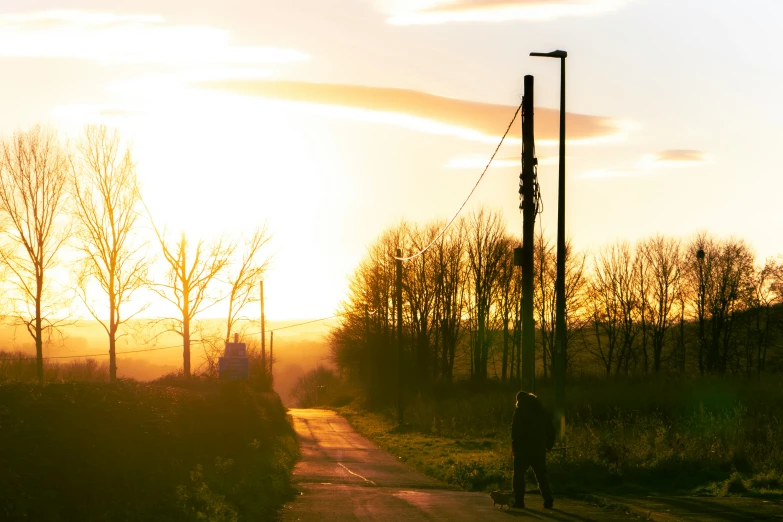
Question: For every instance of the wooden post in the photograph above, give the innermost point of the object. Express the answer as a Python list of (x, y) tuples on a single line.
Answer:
[(271, 352), (398, 303), (528, 233), (263, 333)]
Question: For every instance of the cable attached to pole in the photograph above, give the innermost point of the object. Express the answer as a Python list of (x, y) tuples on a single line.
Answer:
[(443, 231)]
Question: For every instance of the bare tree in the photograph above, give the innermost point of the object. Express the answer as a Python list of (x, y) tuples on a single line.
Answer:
[(662, 257), (33, 180), (576, 293), (758, 321), (450, 290), (419, 288), (191, 273), (727, 284), (509, 299), (363, 346), (544, 297), (485, 252), (576, 283), (244, 277), (613, 305), (106, 198)]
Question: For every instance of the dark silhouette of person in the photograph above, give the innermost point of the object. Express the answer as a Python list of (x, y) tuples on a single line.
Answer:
[(532, 435)]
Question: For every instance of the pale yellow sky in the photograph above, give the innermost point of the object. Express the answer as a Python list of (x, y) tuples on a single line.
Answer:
[(332, 123)]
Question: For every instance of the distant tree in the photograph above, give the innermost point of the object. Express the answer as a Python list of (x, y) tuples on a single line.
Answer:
[(762, 295), (662, 263), (508, 305), (363, 345), (244, 275), (576, 287), (450, 277), (316, 387), (419, 290), (191, 273), (613, 305), (33, 181), (485, 253), (576, 316), (106, 199)]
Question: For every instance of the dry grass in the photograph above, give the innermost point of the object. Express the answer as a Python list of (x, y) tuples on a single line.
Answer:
[(625, 436), (21, 367)]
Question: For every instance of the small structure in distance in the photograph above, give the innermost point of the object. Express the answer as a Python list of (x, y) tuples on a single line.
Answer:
[(234, 363)]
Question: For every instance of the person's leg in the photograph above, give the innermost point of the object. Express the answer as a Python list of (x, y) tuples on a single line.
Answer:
[(518, 482), (539, 468)]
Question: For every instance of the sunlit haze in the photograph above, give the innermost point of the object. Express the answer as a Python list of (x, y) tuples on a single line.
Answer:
[(332, 124)]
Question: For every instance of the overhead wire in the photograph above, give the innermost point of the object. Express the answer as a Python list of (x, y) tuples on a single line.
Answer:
[(103, 354), (443, 231)]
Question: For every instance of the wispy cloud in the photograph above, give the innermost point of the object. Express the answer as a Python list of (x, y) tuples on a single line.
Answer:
[(650, 164), (423, 111), (417, 12), (675, 158), (119, 39)]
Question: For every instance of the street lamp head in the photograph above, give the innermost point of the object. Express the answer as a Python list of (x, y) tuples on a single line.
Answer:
[(553, 54)]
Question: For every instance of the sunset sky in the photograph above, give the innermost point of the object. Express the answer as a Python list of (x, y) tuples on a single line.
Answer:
[(333, 120)]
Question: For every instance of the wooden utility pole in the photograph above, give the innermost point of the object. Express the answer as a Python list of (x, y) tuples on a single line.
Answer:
[(528, 232), (398, 304), (271, 350), (263, 331)]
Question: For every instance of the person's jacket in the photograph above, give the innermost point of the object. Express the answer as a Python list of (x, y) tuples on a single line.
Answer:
[(532, 431)]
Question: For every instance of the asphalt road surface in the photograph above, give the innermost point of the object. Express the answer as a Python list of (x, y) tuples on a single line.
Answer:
[(344, 477)]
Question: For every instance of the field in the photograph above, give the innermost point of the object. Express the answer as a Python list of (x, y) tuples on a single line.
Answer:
[(624, 436), (170, 450)]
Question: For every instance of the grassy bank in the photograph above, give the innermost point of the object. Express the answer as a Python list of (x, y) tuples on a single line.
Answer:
[(167, 451), (641, 436)]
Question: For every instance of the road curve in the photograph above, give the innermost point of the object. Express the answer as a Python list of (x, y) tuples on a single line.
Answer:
[(344, 477)]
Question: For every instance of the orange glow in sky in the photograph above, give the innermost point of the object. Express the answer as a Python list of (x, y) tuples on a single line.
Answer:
[(331, 123)]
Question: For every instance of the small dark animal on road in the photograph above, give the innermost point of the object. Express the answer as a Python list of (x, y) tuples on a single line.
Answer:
[(504, 499)]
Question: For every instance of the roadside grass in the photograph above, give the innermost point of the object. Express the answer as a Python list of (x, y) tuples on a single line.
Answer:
[(624, 437), (21, 367), (172, 450)]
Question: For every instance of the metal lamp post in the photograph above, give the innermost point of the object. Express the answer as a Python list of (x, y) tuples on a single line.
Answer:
[(560, 332)]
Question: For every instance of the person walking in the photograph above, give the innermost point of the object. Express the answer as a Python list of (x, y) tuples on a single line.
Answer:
[(532, 435)]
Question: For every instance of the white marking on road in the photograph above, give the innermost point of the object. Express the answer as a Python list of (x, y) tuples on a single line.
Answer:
[(356, 474)]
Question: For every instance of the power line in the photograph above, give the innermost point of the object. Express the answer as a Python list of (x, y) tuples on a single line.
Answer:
[(307, 322), (443, 231), (299, 324), (103, 354)]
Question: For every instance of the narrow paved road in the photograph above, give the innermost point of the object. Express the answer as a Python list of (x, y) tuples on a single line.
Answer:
[(343, 477)]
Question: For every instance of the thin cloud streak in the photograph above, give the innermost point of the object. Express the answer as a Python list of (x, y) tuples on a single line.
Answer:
[(423, 111), (450, 11), (652, 164), (127, 39)]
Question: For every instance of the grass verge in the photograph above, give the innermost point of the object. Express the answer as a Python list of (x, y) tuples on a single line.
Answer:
[(647, 437)]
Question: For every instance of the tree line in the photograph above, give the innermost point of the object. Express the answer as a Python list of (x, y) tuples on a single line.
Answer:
[(76, 213), (702, 305)]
